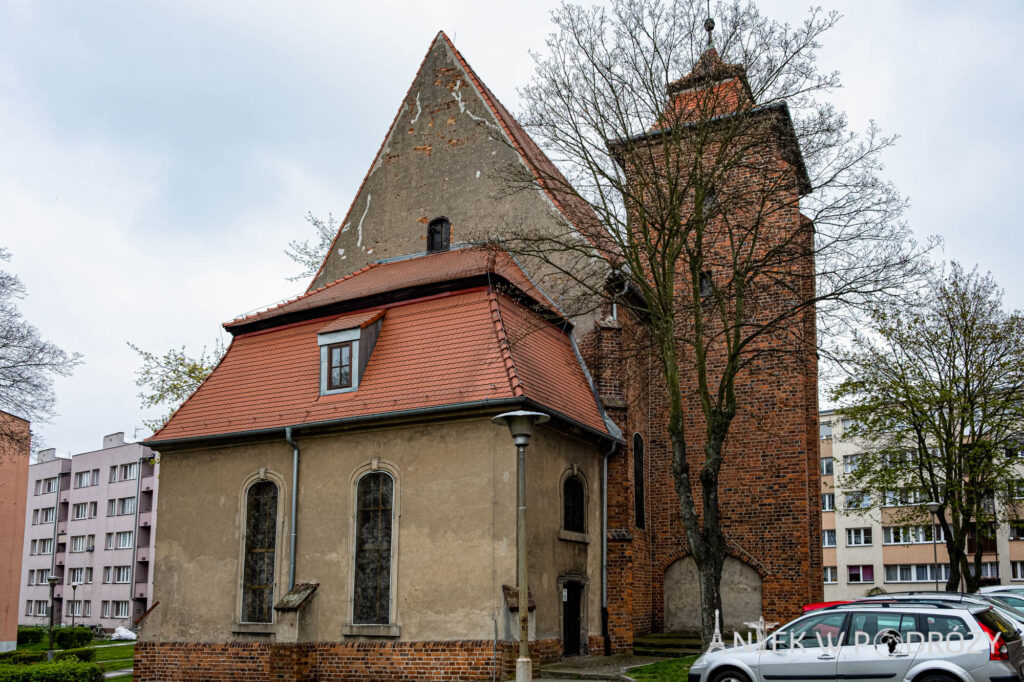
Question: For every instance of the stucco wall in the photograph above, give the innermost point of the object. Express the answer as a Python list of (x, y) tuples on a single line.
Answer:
[(455, 519), (741, 596)]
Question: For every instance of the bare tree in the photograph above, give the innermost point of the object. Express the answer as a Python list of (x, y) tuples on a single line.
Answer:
[(725, 209), (28, 363), (935, 394), (168, 380), (310, 254)]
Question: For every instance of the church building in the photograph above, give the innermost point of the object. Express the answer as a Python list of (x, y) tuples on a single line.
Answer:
[(336, 502)]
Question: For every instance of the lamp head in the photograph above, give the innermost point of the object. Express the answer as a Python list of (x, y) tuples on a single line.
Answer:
[(52, 580), (520, 424), (933, 507)]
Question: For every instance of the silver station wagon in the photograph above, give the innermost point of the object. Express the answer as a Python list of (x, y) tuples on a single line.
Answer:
[(901, 642)]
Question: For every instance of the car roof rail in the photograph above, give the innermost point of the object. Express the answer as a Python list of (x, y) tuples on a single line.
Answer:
[(886, 604)]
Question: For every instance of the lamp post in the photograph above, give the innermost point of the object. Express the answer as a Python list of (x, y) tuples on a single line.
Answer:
[(53, 583), (933, 507), (74, 589), (520, 424)]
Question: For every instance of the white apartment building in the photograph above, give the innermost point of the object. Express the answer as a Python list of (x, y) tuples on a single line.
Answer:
[(90, 521), (873, 548)]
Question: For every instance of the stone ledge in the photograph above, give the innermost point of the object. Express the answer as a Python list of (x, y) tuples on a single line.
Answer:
[(571, 536), (371, 630)]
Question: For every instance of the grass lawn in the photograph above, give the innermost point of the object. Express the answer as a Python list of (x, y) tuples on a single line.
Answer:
[(672, 670), (119, 678), (115, 657)]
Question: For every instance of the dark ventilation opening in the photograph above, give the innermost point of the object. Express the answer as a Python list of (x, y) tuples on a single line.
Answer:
[(707, 285), (438, 235)]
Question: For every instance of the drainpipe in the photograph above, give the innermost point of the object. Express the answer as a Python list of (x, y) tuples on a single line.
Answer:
[(295, 499), (604, 547), (135, 537)]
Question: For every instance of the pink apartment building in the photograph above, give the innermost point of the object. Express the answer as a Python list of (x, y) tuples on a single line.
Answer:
[(90, 520)]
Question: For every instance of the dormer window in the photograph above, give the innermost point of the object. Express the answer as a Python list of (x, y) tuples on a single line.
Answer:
[(345, 348), (339, 365), (438, 235)]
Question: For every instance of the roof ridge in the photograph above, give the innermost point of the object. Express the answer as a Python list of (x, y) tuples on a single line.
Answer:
[(504, 346), (306, 294), (383, 142)]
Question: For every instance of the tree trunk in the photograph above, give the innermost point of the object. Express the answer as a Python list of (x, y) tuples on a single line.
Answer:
[(709, 574)]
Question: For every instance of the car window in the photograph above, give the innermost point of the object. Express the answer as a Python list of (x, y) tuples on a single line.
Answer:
[(864, 626), (812, 632), (1011, 600), (947, 626), (997, 623)]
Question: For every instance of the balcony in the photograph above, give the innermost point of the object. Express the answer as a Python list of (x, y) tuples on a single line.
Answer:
[(145, 519), (141, 591), (142, 554), (147, 483), (65, 496), (62, 528), (59, 561)]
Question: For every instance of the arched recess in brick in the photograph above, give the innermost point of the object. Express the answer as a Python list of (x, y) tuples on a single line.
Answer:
[(741, 594)]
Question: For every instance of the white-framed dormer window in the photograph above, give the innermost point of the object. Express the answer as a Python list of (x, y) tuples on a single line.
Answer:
[(345, 345)]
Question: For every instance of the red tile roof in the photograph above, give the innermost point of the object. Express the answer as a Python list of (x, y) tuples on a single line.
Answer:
[(354, 321), (380, 278), (431, 353)]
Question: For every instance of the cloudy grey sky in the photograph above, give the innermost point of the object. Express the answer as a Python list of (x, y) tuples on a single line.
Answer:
[(156, 158)]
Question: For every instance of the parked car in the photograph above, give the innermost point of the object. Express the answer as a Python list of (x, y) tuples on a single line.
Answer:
[(1012, 599), (1016, 589), (883, 641), (1011, 613)]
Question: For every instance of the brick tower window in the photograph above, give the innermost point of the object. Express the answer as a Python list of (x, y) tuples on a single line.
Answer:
[(639, 506), (438, 235)]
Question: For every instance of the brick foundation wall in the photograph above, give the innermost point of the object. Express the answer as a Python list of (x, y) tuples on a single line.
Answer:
[(356, 660)]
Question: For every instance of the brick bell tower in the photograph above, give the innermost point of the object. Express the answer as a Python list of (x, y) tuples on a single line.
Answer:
[(769, 488)]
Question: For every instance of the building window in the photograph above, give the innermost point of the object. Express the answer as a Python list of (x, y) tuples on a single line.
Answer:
[(372, 589), (121, 609), (113, 474), (438, 235), (825, 430), (827, 466), (639, 479), (45, 546), (80, 511), (50, 485), (126, 505), (46, 515), (129, 472), (28, 608), (911, 535), (851, 463), (857, 500), (915, 573), (111, 507), (707, 284), (858, 537), (124, 539), (831, 575), (122, 574), (42, 608), (108, 541), (105, 609), (339, 366), (83, 479), (108, 574), (260, 550), (83, 543), (860, 574), (573, 509), (1017, 570), (989, 569), (828, 538), (828, 502), (1017, 530), (77, 576), (903, 498)]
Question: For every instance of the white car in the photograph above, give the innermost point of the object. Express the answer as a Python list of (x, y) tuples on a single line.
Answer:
[(891, 641)]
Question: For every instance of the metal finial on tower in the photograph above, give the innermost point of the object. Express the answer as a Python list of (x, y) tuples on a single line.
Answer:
[(709, 26)]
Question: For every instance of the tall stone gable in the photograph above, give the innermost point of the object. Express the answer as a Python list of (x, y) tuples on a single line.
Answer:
[(444, 156)]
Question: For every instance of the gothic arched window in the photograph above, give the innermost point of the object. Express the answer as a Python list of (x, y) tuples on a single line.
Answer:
[(260, 550), (573, 505), (374, 517)]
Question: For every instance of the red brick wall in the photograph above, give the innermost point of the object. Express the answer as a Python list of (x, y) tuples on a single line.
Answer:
[(362, 660)]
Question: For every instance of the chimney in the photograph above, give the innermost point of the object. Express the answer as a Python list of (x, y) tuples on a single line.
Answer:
[(113, 440), (47, 455)]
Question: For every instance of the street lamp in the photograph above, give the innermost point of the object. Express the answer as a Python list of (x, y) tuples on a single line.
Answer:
[(53, 583), (520, 424), (933, 507), (74, 588)]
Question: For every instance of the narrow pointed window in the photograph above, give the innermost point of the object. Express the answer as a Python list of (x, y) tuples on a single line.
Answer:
[(260, 550), (438, 235), (573, 499), (372, 589), (639, 505)]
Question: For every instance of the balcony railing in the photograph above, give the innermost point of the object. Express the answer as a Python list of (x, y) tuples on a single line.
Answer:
[(145, 519), (142, 554), (146, 485)]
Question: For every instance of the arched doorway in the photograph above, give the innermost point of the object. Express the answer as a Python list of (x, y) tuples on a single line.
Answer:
[(741, 595)]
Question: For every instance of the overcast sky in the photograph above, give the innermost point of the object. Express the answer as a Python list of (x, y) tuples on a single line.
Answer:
[(156, 158)]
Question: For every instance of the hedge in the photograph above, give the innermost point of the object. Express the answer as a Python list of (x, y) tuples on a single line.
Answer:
[(69, 670), (30, 635), (69, 638), (84, 655)]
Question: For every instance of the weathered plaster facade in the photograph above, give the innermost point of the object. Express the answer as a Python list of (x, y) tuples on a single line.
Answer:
[(14, 456)]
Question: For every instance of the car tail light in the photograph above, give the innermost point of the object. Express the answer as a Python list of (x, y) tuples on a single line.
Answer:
[(997, 645)]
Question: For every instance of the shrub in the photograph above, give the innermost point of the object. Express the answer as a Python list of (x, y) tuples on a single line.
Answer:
[(30, 635), (84, 655), (23, 657), (69, 638), (68, 670)]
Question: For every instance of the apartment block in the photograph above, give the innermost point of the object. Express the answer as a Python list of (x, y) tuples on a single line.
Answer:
[(90, 521), (867, 546)]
